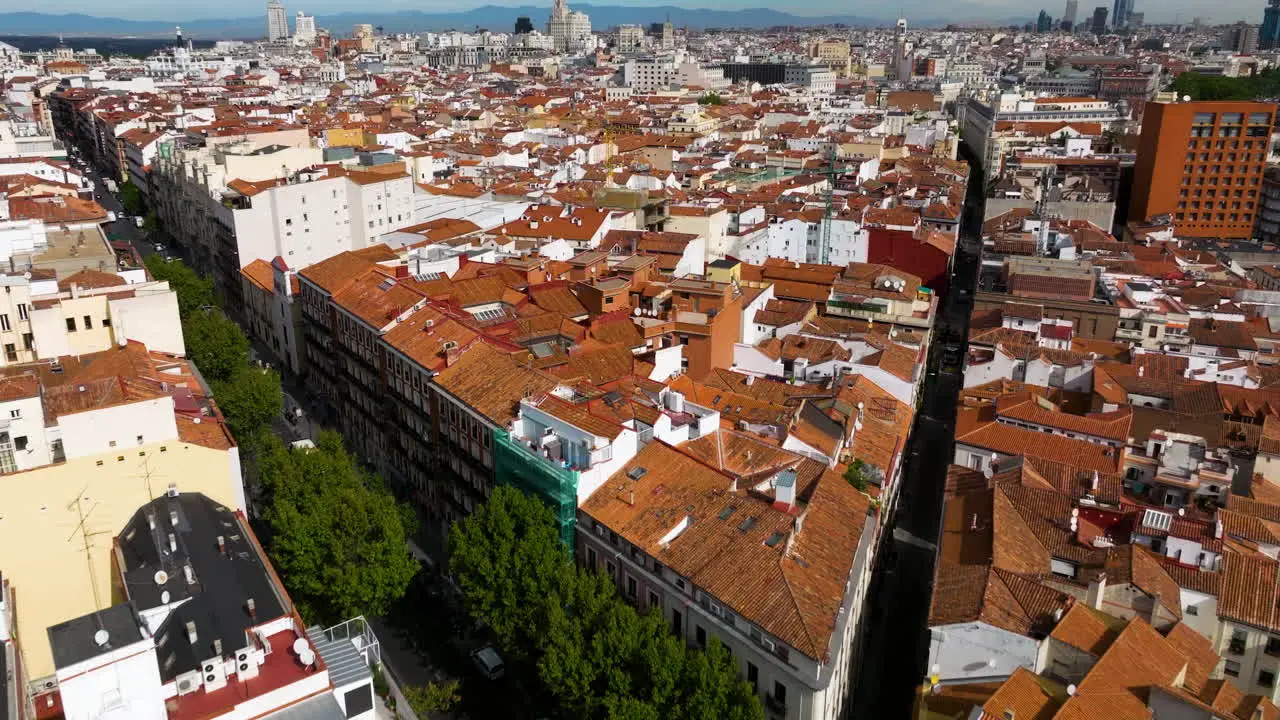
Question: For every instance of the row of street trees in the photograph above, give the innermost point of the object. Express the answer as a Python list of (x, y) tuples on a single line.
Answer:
[(598, 657), (333, 531)]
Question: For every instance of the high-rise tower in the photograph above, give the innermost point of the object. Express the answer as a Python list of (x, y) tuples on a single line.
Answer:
[(277, 23), (1269, 38)]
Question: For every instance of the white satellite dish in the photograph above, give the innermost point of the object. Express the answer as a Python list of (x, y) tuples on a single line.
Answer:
[(300, 646), (161, 577), (101, 637), (1186, 98), (307, 657)]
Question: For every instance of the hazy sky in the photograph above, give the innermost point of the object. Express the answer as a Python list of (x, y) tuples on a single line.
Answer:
[(1156, 10)]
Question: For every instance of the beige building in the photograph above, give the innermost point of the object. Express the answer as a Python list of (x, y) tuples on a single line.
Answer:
[(103, 435), (87, 312)]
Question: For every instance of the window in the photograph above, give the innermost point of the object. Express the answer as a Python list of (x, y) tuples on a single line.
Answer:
[(611, 570), (1231, 668), (780, 693), (20, 442), (677, 626), (1192, 610), (4, 322), (28, 340), (700, 635), (1237, 644), (15, 414), (1266, 678), (591, 558), (22, 311), (11, 352), (753, 676), (106, 322), (631, 587), (71, 324), (1273, 645)]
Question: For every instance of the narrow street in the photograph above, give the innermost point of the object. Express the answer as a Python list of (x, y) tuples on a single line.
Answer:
[(897, 644)]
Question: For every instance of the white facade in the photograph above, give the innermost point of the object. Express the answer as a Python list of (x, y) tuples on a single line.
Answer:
[(277, 22), (304, 30)]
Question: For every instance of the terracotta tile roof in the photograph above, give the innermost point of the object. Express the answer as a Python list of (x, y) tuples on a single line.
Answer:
[(91, 279), (491, 382), (422, 336), (1250, 591), (789, 582), (1087, 629), (1118, 685), (1009, 440), (1036, 410), (555, 296), (1025, 695), (259, 273), (599, 366), (577, 415), (1201, 658)]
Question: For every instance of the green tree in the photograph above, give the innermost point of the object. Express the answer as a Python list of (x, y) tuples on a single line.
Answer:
[(131, 199), (511, 566), (711, 98), (858, 474), (249, 400), (216, 344), (596, 655), (432, 697), (337, 535), (194, 292)]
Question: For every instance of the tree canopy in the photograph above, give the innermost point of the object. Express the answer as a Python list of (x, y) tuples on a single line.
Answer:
[(249, 400), (131, 199), (337, 537), (194, 292), (1265, 84), (596, 654), (216, 344)]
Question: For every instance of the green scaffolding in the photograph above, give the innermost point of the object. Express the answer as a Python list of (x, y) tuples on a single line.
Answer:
[(516, 465)]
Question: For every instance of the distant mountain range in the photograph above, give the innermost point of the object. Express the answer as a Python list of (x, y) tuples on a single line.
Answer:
[(491, 17)]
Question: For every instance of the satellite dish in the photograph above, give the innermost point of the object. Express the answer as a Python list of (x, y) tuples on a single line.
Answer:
[(1186, 98), (101, 637), (300, 646), (636, 312), (1071, 689), (308, 657), (161, 577)]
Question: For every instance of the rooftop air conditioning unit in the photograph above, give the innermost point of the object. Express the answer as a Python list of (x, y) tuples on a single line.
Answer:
[(246, 663), (189, 682)]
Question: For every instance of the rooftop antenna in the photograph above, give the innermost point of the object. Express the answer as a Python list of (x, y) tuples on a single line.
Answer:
[(86, 539)]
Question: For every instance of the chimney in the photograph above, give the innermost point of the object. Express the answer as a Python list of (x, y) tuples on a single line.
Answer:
[(217, 647), (1097, 588), (173, 543), (191, 632), (1217, 528), (173, 518), (1142, 370), (151, 520), (973, 523), (253, 608), (222, 545)]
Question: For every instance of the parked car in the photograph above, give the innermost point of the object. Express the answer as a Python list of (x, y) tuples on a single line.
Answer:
[(488, 662)]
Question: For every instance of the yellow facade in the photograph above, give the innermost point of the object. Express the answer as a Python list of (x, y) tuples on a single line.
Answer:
[(47, 516), (349, 137)]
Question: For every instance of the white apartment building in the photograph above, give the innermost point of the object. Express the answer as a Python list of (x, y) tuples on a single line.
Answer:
[(649, 74), (238, 203)]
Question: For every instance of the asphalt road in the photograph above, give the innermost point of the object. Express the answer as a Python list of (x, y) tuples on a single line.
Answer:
[(895, 650), (123, 228)]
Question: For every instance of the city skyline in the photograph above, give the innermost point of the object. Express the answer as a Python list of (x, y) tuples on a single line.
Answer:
[(990, 10)]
